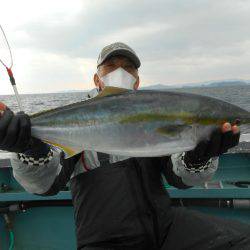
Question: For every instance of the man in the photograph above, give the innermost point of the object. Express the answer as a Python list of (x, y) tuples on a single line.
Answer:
[(120, 202)]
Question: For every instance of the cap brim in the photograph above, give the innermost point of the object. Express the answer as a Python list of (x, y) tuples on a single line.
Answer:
[(123, 52)]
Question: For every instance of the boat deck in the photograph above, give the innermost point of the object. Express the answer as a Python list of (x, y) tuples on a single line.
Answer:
[(52, 227)]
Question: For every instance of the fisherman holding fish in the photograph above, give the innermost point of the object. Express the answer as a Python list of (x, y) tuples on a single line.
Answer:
[(119, 201)]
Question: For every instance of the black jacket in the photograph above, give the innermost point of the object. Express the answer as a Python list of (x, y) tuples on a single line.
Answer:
[(121, 202)]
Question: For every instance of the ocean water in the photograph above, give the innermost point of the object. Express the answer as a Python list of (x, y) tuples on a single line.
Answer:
[(33, 103), (239, 95)]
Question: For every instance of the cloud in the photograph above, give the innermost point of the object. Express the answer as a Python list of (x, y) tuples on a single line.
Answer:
[(177, 41), (52, 72)]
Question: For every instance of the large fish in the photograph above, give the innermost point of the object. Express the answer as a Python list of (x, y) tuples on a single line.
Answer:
[(135, 123)]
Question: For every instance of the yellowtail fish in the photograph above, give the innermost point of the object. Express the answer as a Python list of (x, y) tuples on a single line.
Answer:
[(141, 123)]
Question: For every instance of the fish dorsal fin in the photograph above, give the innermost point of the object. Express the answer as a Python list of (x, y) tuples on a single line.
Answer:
[(112, 91)]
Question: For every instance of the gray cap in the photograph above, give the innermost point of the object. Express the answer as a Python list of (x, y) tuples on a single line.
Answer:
[(121, 49)]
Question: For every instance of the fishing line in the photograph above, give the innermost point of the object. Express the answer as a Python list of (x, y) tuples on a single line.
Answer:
[(9, 70), (8, 45)]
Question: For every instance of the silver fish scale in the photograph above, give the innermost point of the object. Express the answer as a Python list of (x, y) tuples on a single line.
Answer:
[(136, 123)]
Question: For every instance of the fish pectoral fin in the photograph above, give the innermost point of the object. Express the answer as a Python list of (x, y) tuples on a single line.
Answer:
[(112, 91), (171, 130), (69, 152)]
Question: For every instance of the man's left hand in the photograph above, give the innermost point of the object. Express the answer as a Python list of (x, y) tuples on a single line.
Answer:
[(219, 142)]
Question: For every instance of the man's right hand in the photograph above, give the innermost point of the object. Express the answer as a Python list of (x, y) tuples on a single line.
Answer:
[(15, 130)]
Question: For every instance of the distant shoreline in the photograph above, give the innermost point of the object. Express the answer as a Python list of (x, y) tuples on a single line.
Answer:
[(209, 84)]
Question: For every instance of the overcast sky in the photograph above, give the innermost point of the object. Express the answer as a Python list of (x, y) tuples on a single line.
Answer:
[(55, 43)]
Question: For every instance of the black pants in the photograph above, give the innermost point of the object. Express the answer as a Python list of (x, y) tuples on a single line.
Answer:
[(192, 230)]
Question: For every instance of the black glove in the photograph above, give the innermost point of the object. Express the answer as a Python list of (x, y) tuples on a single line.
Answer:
[(217, 144), (15, 132)]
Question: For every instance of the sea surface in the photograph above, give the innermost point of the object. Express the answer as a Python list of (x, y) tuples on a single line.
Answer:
[(32, 103)]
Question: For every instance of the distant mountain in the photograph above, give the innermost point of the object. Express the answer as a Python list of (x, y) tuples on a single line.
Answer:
[(222, 83), (228, 83), (212, 84)]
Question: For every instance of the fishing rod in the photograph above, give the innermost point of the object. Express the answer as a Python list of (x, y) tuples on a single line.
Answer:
[(9, 71)]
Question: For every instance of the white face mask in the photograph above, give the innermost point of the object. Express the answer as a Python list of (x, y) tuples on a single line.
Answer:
[(119, 78)]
